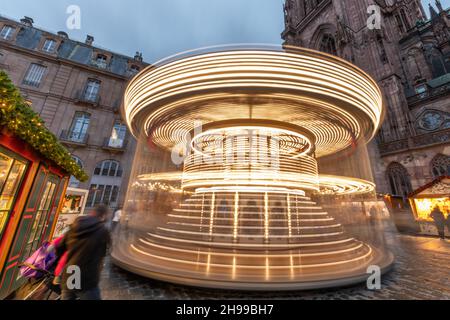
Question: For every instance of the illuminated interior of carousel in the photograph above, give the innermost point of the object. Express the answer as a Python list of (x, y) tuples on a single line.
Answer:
[(244, 162)]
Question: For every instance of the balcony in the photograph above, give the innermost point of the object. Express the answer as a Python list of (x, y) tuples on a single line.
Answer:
[(418, 141), (429, 94), (74, 138), (82, 98), (117, 145)]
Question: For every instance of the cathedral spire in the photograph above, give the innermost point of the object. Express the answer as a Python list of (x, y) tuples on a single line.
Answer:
[(439, 6), (433, 12)]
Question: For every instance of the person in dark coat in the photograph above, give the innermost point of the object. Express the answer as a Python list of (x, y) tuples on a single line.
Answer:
[(439, 221), (86, 244)]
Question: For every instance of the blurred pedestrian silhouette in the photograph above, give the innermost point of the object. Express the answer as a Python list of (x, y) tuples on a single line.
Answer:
[(86, 244), (439, 221), (116, 219)]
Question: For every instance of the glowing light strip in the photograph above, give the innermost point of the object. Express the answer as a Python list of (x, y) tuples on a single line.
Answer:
[(252, 255), (235, 266), (211, 219), (265, 236), (244, 213), (227, 244), (236, 216), (289, 215), (266, 216), (271, 228), (244, 219)]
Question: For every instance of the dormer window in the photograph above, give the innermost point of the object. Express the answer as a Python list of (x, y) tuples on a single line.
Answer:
[(49, 46), (7, 32), (101, 61), (134, 69)]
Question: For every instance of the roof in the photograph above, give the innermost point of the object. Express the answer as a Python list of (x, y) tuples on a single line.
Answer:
[(443, 182), (72, 50)]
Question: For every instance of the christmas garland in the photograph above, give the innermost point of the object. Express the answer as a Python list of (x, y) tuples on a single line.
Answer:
[(18, 117)]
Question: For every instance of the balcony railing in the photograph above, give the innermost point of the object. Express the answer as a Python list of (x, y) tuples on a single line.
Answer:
[(431, 93), (72, 137), (422, 140), (82, 97), (115, 144)]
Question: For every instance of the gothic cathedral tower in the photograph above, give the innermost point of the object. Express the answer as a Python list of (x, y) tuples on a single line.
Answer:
[(409, 56)]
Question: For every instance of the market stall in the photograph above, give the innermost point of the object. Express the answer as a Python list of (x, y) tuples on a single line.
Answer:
[(34, 172), (426, 198)]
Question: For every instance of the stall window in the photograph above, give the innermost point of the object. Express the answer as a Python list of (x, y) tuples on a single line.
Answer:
[(11, 174)]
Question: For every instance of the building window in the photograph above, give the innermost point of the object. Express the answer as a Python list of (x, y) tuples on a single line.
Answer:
[(440, 165), (118, 134), (49, 46), (101, 61), (7, 32), (108, 168), (102, 194), (34, 75), (399, 181), (73, 182), (79, 128), (328, 44), (92, 90)]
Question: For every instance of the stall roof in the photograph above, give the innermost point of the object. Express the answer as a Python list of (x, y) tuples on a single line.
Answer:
[(438, 187)]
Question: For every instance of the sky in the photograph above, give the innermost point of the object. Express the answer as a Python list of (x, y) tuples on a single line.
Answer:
[(159, 28)]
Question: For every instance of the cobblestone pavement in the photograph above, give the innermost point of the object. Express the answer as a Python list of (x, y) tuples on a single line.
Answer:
[(421, 271)]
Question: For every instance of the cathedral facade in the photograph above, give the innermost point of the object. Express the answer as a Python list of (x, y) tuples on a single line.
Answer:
[(408, 55)]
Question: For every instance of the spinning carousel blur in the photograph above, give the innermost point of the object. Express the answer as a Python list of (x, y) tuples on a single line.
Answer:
[(235, 184)]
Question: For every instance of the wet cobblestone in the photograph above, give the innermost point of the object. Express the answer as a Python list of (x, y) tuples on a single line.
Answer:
[(421, 271)]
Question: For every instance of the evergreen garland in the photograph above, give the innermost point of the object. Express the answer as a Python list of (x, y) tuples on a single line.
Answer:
[(26, 124)]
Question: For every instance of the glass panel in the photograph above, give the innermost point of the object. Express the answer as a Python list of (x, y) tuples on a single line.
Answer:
[(49, 45), (106, 167), (112, 172), (114, 193), (5, 166), (99, 195), (34, 75), (107, 195), (80, 126), (91, 196), (11, 173), (118, 135), (12, 185), (92, 89)]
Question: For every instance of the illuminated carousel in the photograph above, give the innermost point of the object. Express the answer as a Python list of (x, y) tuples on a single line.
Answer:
[(225, 190)]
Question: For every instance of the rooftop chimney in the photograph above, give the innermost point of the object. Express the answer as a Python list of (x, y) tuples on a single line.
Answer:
[(89, 40), (138, 56), (63, 34), (27, 21)]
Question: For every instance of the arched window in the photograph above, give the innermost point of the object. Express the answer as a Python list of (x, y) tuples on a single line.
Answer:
[(440, 165), (399, 180), (328, 44), (108, 168), (73, 182)]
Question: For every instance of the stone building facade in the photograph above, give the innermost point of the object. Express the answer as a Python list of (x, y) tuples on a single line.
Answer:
[(409, 56), (77, 89)]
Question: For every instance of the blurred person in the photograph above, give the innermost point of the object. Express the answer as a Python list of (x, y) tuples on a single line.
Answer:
[(116, 218), (86, 244), (439, 221)]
